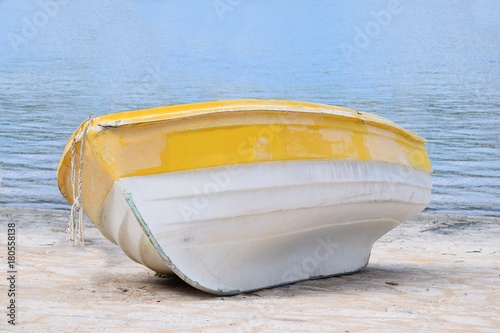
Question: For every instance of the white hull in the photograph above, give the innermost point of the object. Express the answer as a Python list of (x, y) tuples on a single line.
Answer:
[(232, 229)]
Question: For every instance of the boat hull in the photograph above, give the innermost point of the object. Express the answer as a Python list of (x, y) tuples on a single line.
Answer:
[(236, 196), (231, 230)]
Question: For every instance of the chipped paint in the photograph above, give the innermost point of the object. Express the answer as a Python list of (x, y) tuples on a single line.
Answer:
[(145, 227), (154, 242)]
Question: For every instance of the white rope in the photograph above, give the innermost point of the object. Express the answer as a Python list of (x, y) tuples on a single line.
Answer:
[(76, 223)]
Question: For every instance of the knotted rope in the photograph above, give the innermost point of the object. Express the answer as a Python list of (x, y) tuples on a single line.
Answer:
[(76, 223)]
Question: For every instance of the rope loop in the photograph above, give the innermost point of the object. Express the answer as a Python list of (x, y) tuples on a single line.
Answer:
[(75, 229)]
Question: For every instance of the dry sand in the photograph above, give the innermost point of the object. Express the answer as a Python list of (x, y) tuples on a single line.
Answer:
[(432, 274)]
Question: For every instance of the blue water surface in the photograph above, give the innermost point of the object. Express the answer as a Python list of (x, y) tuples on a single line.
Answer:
[(430, 66)]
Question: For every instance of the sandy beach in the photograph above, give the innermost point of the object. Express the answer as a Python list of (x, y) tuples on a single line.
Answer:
[(434, 273)]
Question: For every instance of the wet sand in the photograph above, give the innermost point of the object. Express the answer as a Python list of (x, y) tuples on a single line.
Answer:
[(434, 273)]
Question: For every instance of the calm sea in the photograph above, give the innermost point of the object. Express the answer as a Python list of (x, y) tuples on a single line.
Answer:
[(430, 66)]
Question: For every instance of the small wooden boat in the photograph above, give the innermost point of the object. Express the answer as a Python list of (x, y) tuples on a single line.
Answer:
[(235, 196)]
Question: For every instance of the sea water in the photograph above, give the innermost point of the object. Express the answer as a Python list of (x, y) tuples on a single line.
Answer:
[(430, 66)]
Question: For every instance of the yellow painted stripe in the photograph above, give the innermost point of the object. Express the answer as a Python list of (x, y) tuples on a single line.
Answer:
[(208, 141)]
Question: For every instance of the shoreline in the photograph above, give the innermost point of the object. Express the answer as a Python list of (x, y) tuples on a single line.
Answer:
[(432, 273), (66, 207)]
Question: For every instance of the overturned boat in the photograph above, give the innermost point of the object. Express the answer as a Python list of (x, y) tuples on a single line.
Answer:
[(235, 196)]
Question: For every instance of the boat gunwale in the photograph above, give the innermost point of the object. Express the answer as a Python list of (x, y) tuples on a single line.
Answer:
[(189, 111)]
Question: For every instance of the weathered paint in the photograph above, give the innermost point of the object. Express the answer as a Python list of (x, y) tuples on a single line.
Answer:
[(212, 134), (145, 227), (154, 242)]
